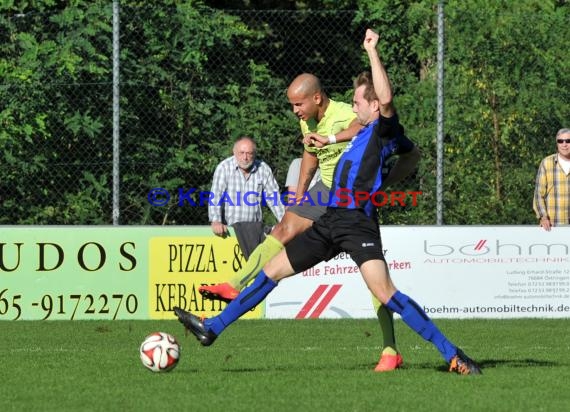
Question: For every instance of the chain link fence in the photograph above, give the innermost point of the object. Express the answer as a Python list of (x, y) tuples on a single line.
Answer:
[(192, 80)]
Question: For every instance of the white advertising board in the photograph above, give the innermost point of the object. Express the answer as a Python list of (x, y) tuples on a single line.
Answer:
[(450, 271)]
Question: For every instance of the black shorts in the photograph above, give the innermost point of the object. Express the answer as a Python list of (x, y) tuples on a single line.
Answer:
[(338, 230), (315, 203)]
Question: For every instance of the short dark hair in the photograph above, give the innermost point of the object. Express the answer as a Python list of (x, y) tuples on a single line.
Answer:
[(365, 79)]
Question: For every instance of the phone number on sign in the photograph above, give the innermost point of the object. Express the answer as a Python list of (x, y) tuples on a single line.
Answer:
[(69, 306)]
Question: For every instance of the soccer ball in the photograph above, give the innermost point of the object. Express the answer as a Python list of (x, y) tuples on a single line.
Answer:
[(160, 352)]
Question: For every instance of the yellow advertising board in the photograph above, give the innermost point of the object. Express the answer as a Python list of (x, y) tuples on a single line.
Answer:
[(178, 266)]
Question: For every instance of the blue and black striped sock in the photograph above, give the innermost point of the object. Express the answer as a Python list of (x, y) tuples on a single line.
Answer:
[(415, 317), (249, 298)]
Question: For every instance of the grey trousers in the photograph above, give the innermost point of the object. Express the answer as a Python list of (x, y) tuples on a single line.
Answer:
[(249, 235)]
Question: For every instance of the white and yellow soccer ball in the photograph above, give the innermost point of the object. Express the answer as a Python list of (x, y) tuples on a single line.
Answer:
[(160, 352)]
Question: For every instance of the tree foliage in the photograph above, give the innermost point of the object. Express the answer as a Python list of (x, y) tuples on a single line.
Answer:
[(196, 75), (506, 97)]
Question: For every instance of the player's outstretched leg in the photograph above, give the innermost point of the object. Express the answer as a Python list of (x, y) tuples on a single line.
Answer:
[(415, 317), (463, 365), (228, 291), (195, 325), (207, 330)]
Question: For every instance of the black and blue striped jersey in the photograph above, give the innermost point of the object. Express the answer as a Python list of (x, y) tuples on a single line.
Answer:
[(358, 173)]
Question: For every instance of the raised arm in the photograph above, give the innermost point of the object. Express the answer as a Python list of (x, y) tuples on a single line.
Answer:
[(382, 85)]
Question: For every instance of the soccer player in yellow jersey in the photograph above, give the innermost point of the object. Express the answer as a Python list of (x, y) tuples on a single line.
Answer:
[(327, 127)]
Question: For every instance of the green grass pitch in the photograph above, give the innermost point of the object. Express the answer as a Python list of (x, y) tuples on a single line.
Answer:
[(283, 365)]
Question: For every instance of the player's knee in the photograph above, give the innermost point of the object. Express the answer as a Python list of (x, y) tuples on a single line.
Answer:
[(286, 230), (289, 232), (278, 231)]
